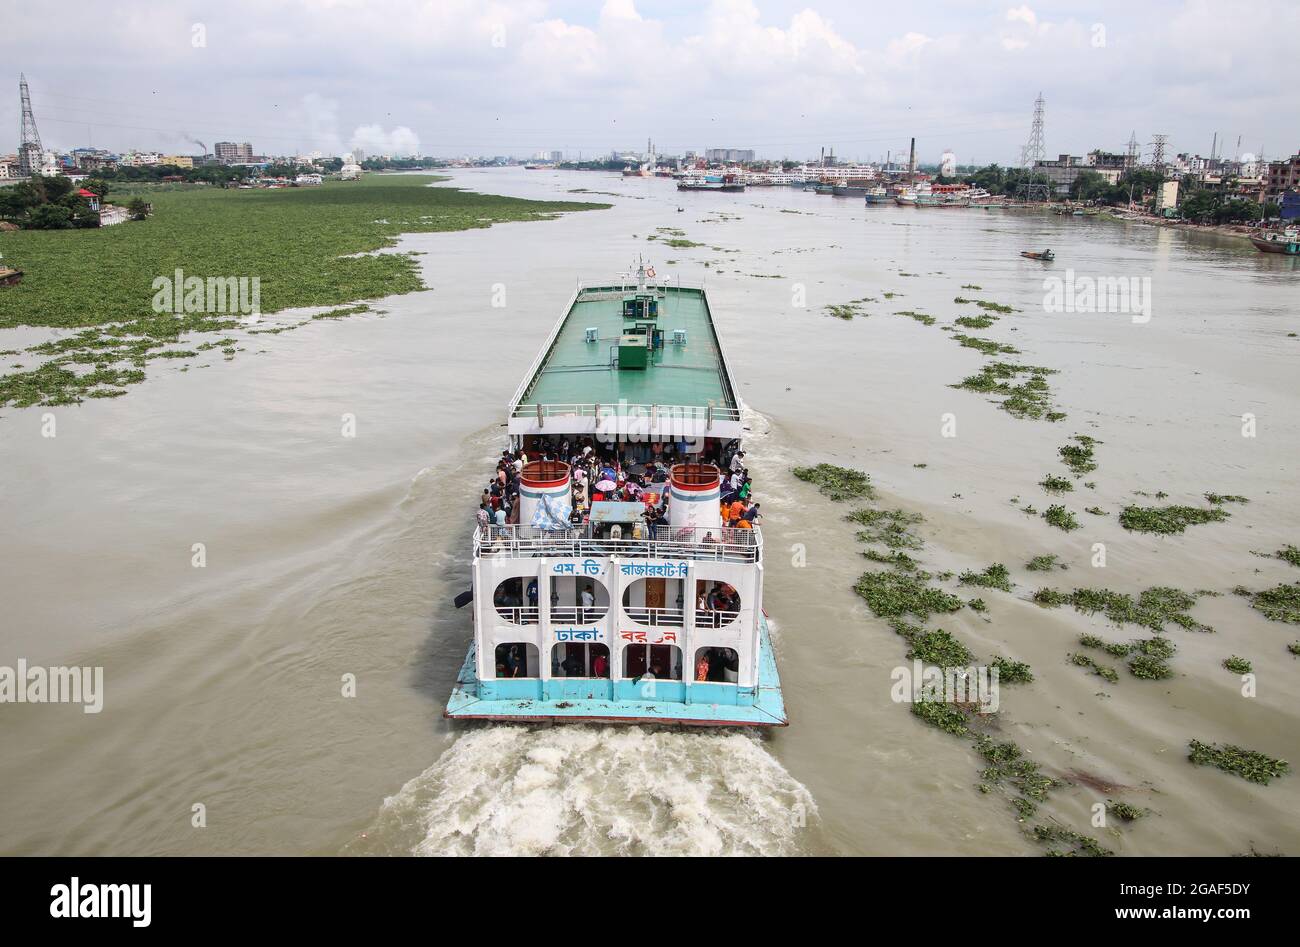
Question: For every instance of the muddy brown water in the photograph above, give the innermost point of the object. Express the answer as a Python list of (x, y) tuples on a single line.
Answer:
[(329, 555)]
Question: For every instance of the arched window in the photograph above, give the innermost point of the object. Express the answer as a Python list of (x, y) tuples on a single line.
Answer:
[(661, 661), (718, 665), (517, 659), (579, 659), (656, 601), (577, 600), (515, 600), (717, 604)]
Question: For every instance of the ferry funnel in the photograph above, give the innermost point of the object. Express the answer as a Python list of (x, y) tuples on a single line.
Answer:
[(696, 497), (544, 497)]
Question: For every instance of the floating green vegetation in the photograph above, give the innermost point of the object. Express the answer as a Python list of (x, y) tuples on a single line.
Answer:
[(892, 528), (678, 243), (1007, 762), (983, 304), (1220, 499), (1237, 665), (948, 717), (1013, 672), (995, 576), (898, 559), (920, 466), (890, 295), (308, 247), (1060, 517), (971, 286), (1289, 554), (1167, 519), (1248, 764), (844, 310), (342, 313), (1294, 648), (837, 483), (975, 322), (1044, 564), (978, 605), (918, 316), (938, 648), (1280, 603), (1149, 668), (986, 346), (1053, 484), (1078, 456), (893, 595), (1125, 811), (1029, 399), (1095, 511), (1108, 674), (1075, 843), (1153, 608)]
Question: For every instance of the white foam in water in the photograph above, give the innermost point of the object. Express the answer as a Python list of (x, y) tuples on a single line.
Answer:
[(583, 790)]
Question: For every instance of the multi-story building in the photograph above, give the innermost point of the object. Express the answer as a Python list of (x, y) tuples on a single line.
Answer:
[(1283, 176), (9, 167), (729, 155), (230, 152), (177, 161)]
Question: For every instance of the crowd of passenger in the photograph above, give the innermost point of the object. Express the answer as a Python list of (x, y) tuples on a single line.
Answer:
[(636, 474)]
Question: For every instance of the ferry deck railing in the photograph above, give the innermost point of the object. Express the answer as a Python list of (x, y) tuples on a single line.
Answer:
[(714, 544), (652, 412)]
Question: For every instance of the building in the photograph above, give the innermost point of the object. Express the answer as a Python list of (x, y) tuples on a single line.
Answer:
[(1283, 176), (1060, 173), (177, 161), (9, 167), (229, 152), (729, 155), (1166, 196), (557, 157), (1102, 161)]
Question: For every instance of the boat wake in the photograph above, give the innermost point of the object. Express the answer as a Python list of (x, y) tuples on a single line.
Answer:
[(579, 790)]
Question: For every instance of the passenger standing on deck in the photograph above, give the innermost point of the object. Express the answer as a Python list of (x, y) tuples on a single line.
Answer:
[(702, 665)]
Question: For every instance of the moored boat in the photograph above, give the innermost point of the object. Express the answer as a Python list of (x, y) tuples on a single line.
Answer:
[(1046, 256), (1287, 243), (615, 591)]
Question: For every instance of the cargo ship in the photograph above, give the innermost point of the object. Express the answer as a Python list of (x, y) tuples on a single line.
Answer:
[(626, 583)]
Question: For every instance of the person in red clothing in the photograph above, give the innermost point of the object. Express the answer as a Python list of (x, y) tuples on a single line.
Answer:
[(600, 666)]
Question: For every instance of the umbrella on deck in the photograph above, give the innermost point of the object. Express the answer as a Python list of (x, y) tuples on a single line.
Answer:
[(605, 486)]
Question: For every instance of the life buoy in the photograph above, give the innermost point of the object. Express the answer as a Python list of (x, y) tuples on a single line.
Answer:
[(650, 272)]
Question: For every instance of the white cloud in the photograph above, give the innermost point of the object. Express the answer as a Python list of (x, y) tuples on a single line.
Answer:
[(1022, 14)]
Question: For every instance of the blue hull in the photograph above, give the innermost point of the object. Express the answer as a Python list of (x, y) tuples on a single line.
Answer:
[(578, 700)]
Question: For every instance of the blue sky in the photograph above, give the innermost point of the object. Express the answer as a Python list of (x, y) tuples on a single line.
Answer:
[(783, 77)]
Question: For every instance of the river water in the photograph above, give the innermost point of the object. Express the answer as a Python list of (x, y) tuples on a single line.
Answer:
[(328, 555)]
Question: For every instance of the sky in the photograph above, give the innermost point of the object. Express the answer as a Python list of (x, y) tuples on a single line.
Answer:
[(477, 77)]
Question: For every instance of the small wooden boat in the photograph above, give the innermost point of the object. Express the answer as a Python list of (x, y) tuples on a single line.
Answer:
[(1287, 243), (1046, 256)]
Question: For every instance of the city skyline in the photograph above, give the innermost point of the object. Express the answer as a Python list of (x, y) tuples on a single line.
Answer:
[(775, 77)]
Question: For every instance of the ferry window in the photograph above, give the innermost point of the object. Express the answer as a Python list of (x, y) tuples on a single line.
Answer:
[(577, 600), (655, 601), (720, 665), (717, 604), (515, 600), (579, 659), (664, 661), (517, 659)]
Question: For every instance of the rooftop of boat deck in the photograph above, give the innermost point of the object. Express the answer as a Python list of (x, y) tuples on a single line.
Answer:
[(575, 371)]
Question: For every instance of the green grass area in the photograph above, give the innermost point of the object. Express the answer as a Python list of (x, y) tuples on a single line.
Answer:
[(306, 246)]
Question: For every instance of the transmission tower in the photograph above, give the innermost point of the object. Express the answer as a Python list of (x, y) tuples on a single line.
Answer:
[(1033, 186), (29, 148), (1131, 159), (1158, 143)]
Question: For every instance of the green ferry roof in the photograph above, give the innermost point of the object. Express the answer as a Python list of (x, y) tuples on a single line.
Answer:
[(575, 371)]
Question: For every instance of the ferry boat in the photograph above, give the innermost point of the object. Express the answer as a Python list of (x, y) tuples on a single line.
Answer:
[(642, 606), (876, 195), (710, 182)]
